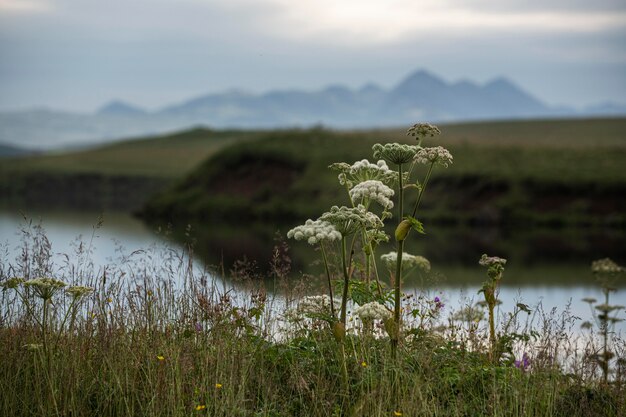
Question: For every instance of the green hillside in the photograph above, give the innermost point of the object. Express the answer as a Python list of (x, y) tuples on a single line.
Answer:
[(505, 173)]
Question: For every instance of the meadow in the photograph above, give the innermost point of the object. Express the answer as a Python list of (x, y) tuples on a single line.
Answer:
[(154, 334)]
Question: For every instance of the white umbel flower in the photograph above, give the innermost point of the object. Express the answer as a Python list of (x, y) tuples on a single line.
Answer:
[(395, 153), (316, 304), (348, 220), (372, 311), (364, 170), (435, 155), (605, 266), (314, 232), (45, 288), (373, 190), (408, 261)]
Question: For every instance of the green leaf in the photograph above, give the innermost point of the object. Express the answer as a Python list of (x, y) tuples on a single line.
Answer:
[(416, 224)]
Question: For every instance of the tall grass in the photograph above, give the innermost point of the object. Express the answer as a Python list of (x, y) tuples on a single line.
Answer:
[(161, 336)]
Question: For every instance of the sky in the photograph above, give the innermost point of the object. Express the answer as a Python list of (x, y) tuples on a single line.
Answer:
[(77, 55)]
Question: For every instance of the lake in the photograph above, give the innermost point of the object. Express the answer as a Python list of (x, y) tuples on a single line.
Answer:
[(551, 267)]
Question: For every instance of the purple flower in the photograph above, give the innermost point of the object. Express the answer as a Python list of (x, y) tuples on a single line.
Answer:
[(438, 304), (523, 363), (198, 327)]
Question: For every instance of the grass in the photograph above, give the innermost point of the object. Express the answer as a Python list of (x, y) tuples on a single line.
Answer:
[(160, 337)]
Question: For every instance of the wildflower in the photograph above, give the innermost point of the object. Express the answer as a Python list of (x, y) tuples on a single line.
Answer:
[(523, 363), (395, 153), (397, 413), (436, 155), (373, 190), (422, 130), (408, 261), (12, 283), (316, 304), (45, 288), (372, 311), (160, 358), (364, 170), (491, 261), (314, 231), (605, 266), (348, 220), (198, 327), (218, 386), (438, 304), (78, 291), (109, 300), (200, 407), (364, 364)]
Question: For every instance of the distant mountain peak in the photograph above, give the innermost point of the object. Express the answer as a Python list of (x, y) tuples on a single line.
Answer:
[(120, 108), (420, 80)]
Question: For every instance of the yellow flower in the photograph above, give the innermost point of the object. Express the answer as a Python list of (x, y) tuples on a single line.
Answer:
[(364, 364), (218, 385), (161, 358), (397, 413), (200, 407), (109, 300)]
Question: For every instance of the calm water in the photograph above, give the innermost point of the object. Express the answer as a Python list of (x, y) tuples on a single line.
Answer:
[(556, 280)]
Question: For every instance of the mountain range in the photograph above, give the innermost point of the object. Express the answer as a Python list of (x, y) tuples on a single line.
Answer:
[(422, 96)]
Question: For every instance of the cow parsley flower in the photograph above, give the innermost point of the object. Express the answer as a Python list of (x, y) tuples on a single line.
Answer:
[(45, 288), (364, 170), (605, 266), (491, 261), (395, 153), (78, 291), (372, 311), (316, 304), (435, 155), (348, 220), (408, 261), (12, 283), (372, 190), (422, 130), (315, 231)]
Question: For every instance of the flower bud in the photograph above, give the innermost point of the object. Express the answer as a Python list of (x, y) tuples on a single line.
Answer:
[(403, 230), (339, 331)]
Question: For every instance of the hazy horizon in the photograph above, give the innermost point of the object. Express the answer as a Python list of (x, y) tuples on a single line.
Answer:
[(78, 55)]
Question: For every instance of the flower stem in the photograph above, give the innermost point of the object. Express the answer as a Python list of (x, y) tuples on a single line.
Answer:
[(346, 282), (421, 193), (330, 285)]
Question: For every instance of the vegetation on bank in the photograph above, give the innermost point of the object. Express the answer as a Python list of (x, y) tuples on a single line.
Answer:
[(540, 173), (151, 334)]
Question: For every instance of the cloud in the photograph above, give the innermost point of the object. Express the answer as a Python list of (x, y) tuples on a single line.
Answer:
[(23, 6)]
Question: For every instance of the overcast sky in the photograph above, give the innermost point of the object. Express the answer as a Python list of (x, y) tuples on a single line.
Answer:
[(79, 54)]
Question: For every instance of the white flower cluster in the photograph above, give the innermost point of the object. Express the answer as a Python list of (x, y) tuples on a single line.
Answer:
[(372, 311), (316, 304), (395, 153), (79, 291), (605, 266), (45, 287), (491, 261), (408, 261), (348, 220), (373, 190), (314, 231), (437, 154), (364, 170)]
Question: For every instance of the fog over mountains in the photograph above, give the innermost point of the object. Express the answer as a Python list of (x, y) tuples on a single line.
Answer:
[(421, 96)]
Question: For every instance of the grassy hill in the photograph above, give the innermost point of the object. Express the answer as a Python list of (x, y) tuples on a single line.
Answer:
[(543, 172), (283, 175)]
